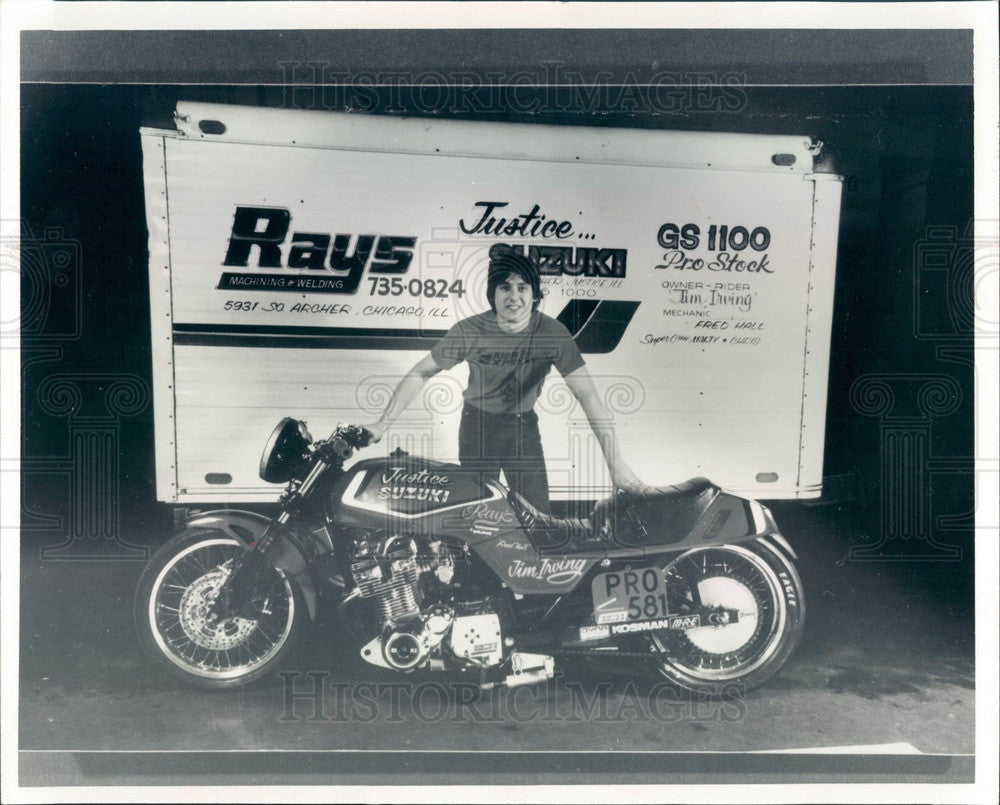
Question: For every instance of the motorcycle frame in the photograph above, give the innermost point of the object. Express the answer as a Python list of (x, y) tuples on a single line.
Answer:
[(295, 556)]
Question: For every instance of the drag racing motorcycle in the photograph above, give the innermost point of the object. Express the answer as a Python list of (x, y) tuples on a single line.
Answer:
[(422, 565)]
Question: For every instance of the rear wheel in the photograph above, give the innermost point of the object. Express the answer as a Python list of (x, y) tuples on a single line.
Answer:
[(172, 614), (757, 581)]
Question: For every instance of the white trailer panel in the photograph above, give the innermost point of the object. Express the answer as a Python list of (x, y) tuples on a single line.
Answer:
[(301, 262)]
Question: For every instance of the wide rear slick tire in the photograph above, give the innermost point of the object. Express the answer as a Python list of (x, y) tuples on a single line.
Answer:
[(170, 605), (760, 581)]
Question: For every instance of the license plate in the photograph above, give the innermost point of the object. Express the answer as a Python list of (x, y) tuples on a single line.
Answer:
[(629, 595)]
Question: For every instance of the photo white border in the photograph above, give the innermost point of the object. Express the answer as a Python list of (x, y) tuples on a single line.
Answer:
[(19, 15)]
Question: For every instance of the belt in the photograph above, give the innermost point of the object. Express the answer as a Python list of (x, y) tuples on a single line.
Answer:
[(472, 410)]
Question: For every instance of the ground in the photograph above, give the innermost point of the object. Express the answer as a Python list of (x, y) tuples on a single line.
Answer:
[(886, 659)]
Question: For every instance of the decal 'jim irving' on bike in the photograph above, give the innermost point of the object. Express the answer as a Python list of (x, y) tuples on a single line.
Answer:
[(476, 576)]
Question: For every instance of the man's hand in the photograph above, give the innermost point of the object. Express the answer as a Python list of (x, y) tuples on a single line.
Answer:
[(376, 429), (628, 481), (582, 386)]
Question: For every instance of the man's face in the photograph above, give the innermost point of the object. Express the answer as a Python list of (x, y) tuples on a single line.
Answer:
[(513, 301)]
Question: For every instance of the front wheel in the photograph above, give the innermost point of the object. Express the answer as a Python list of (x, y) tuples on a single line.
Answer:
[(758, 582), (172, 606)]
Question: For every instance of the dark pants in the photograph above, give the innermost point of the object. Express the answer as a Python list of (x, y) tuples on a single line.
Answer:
[(509, 442)]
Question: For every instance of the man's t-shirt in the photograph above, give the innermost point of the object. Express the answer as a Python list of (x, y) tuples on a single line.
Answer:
[(506, 370)]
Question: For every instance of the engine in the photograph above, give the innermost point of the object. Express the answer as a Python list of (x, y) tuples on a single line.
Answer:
[(407, 581), (389, 575)]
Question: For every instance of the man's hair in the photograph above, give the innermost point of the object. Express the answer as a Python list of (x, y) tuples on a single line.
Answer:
[(504, 261)]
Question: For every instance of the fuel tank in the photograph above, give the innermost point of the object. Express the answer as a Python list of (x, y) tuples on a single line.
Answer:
[(415, 495), (405, 491)]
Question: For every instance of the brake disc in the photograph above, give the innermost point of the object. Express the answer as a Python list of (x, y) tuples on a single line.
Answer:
[(195, 604)]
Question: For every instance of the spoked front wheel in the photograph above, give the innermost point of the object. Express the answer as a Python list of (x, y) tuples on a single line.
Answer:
[(172, 614), (760, 585)]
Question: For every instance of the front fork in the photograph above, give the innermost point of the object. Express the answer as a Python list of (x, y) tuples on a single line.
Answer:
[(240, 593)]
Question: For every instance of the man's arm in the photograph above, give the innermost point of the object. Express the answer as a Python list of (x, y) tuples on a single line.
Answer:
[(582, 386), (407, 388)]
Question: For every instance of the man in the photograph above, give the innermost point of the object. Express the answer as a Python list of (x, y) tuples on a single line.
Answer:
[(510, 349)]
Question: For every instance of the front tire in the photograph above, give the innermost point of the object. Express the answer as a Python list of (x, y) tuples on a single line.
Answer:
[(758, 581), (170, 614)]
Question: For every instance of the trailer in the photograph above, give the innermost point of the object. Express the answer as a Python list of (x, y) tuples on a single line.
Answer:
[(301, 261)]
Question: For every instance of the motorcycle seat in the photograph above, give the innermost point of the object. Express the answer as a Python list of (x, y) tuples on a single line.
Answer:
[(664, 516), (555, 535), (623, 520)]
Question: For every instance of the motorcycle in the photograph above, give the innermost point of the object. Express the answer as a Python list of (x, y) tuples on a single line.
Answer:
[(427, 566)]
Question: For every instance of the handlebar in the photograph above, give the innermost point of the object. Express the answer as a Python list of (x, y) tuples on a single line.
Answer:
[(355, 435)]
